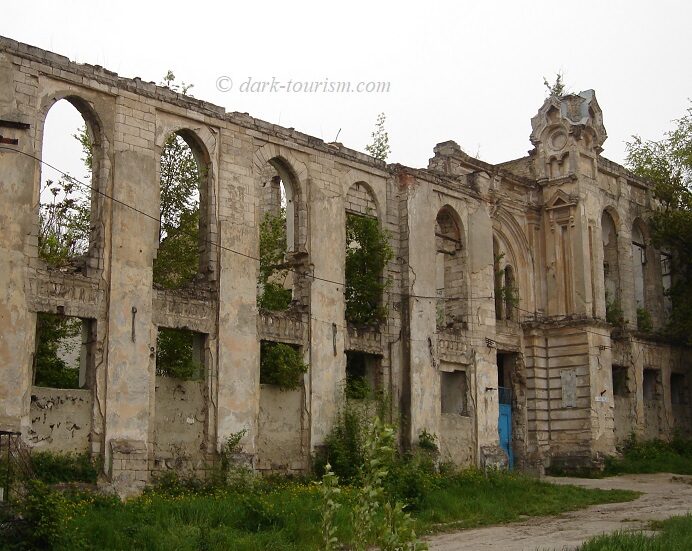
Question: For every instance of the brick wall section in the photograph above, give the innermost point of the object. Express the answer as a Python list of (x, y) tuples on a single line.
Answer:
[(359, 200)]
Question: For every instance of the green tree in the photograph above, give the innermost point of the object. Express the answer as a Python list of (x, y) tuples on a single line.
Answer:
[(272, 263), (281, 365), (53, 333), (367, 254), (175, 354), (177, 260), (667, 163), (379, 148)]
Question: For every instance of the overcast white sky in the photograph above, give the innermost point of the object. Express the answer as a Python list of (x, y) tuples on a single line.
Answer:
[(468, 71)]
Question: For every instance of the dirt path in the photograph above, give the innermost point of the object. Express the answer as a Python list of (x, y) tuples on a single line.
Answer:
[(665, 495)]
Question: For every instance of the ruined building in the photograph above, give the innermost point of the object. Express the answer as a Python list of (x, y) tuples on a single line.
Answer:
[(511, 328)]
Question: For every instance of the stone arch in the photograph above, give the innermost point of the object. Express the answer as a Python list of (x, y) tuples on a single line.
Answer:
[(202, 143), (280, 182), (361, 199), (665, 259), (100, 172), (364, 297), (514, 244), (85, 108), (610, 233), (270, 151), (506, 291), (282, 189), (639, 263), (451, 280), (270, 161)]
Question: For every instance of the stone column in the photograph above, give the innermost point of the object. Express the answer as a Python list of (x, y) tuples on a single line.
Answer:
[(18, 193), (327, 247), (424, 381), (131, 335), (237, 396)]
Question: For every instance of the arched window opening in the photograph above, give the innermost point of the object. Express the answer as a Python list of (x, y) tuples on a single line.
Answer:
[(666, 281), (449, 271), (65, 228), (638, 266), (367, 254), (178, 259), (498, 274), (510, 294), (279, 238), (506, 290), (611, 269), (642, 276)]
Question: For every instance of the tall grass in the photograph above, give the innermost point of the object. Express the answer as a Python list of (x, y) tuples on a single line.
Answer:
[(674, 534), (653, 456), (287, 515)]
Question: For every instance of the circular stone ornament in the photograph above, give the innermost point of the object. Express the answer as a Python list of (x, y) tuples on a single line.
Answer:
[(558, 140)]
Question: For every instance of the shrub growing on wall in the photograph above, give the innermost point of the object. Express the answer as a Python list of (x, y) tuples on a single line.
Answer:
[(281, 365), (367, 254), (644, 322)]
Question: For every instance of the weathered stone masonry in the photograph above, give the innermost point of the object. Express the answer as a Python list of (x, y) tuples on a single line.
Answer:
[(537, 221)]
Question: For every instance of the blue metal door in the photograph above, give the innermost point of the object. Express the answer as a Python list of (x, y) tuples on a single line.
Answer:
[(504, 426)]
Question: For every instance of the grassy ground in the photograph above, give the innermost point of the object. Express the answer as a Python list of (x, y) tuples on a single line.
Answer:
[(286, 515), (674, 534)]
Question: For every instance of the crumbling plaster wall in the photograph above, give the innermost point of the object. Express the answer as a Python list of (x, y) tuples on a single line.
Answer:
[(281, 441), (180, 418), (60, 420), (134, 119), (478, 360), (655, 416), (546, 216)]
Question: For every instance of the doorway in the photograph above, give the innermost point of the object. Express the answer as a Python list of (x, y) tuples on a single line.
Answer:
[(504, 391)]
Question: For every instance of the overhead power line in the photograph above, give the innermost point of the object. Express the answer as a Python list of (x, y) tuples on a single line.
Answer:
[(215, 244)]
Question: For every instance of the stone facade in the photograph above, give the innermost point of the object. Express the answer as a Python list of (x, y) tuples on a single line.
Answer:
[(498, 287)]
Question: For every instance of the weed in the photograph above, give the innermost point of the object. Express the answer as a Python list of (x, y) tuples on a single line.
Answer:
[(427, 441), (644, 321)]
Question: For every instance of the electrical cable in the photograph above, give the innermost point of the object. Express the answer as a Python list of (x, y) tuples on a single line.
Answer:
[(213, 243)]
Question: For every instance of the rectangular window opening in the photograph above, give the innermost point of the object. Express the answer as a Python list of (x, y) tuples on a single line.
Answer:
[(651, 384), (620, 380), (363, 375), (678, 389), (454, 392), (180, 353), (281, 365), (64, 352)]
